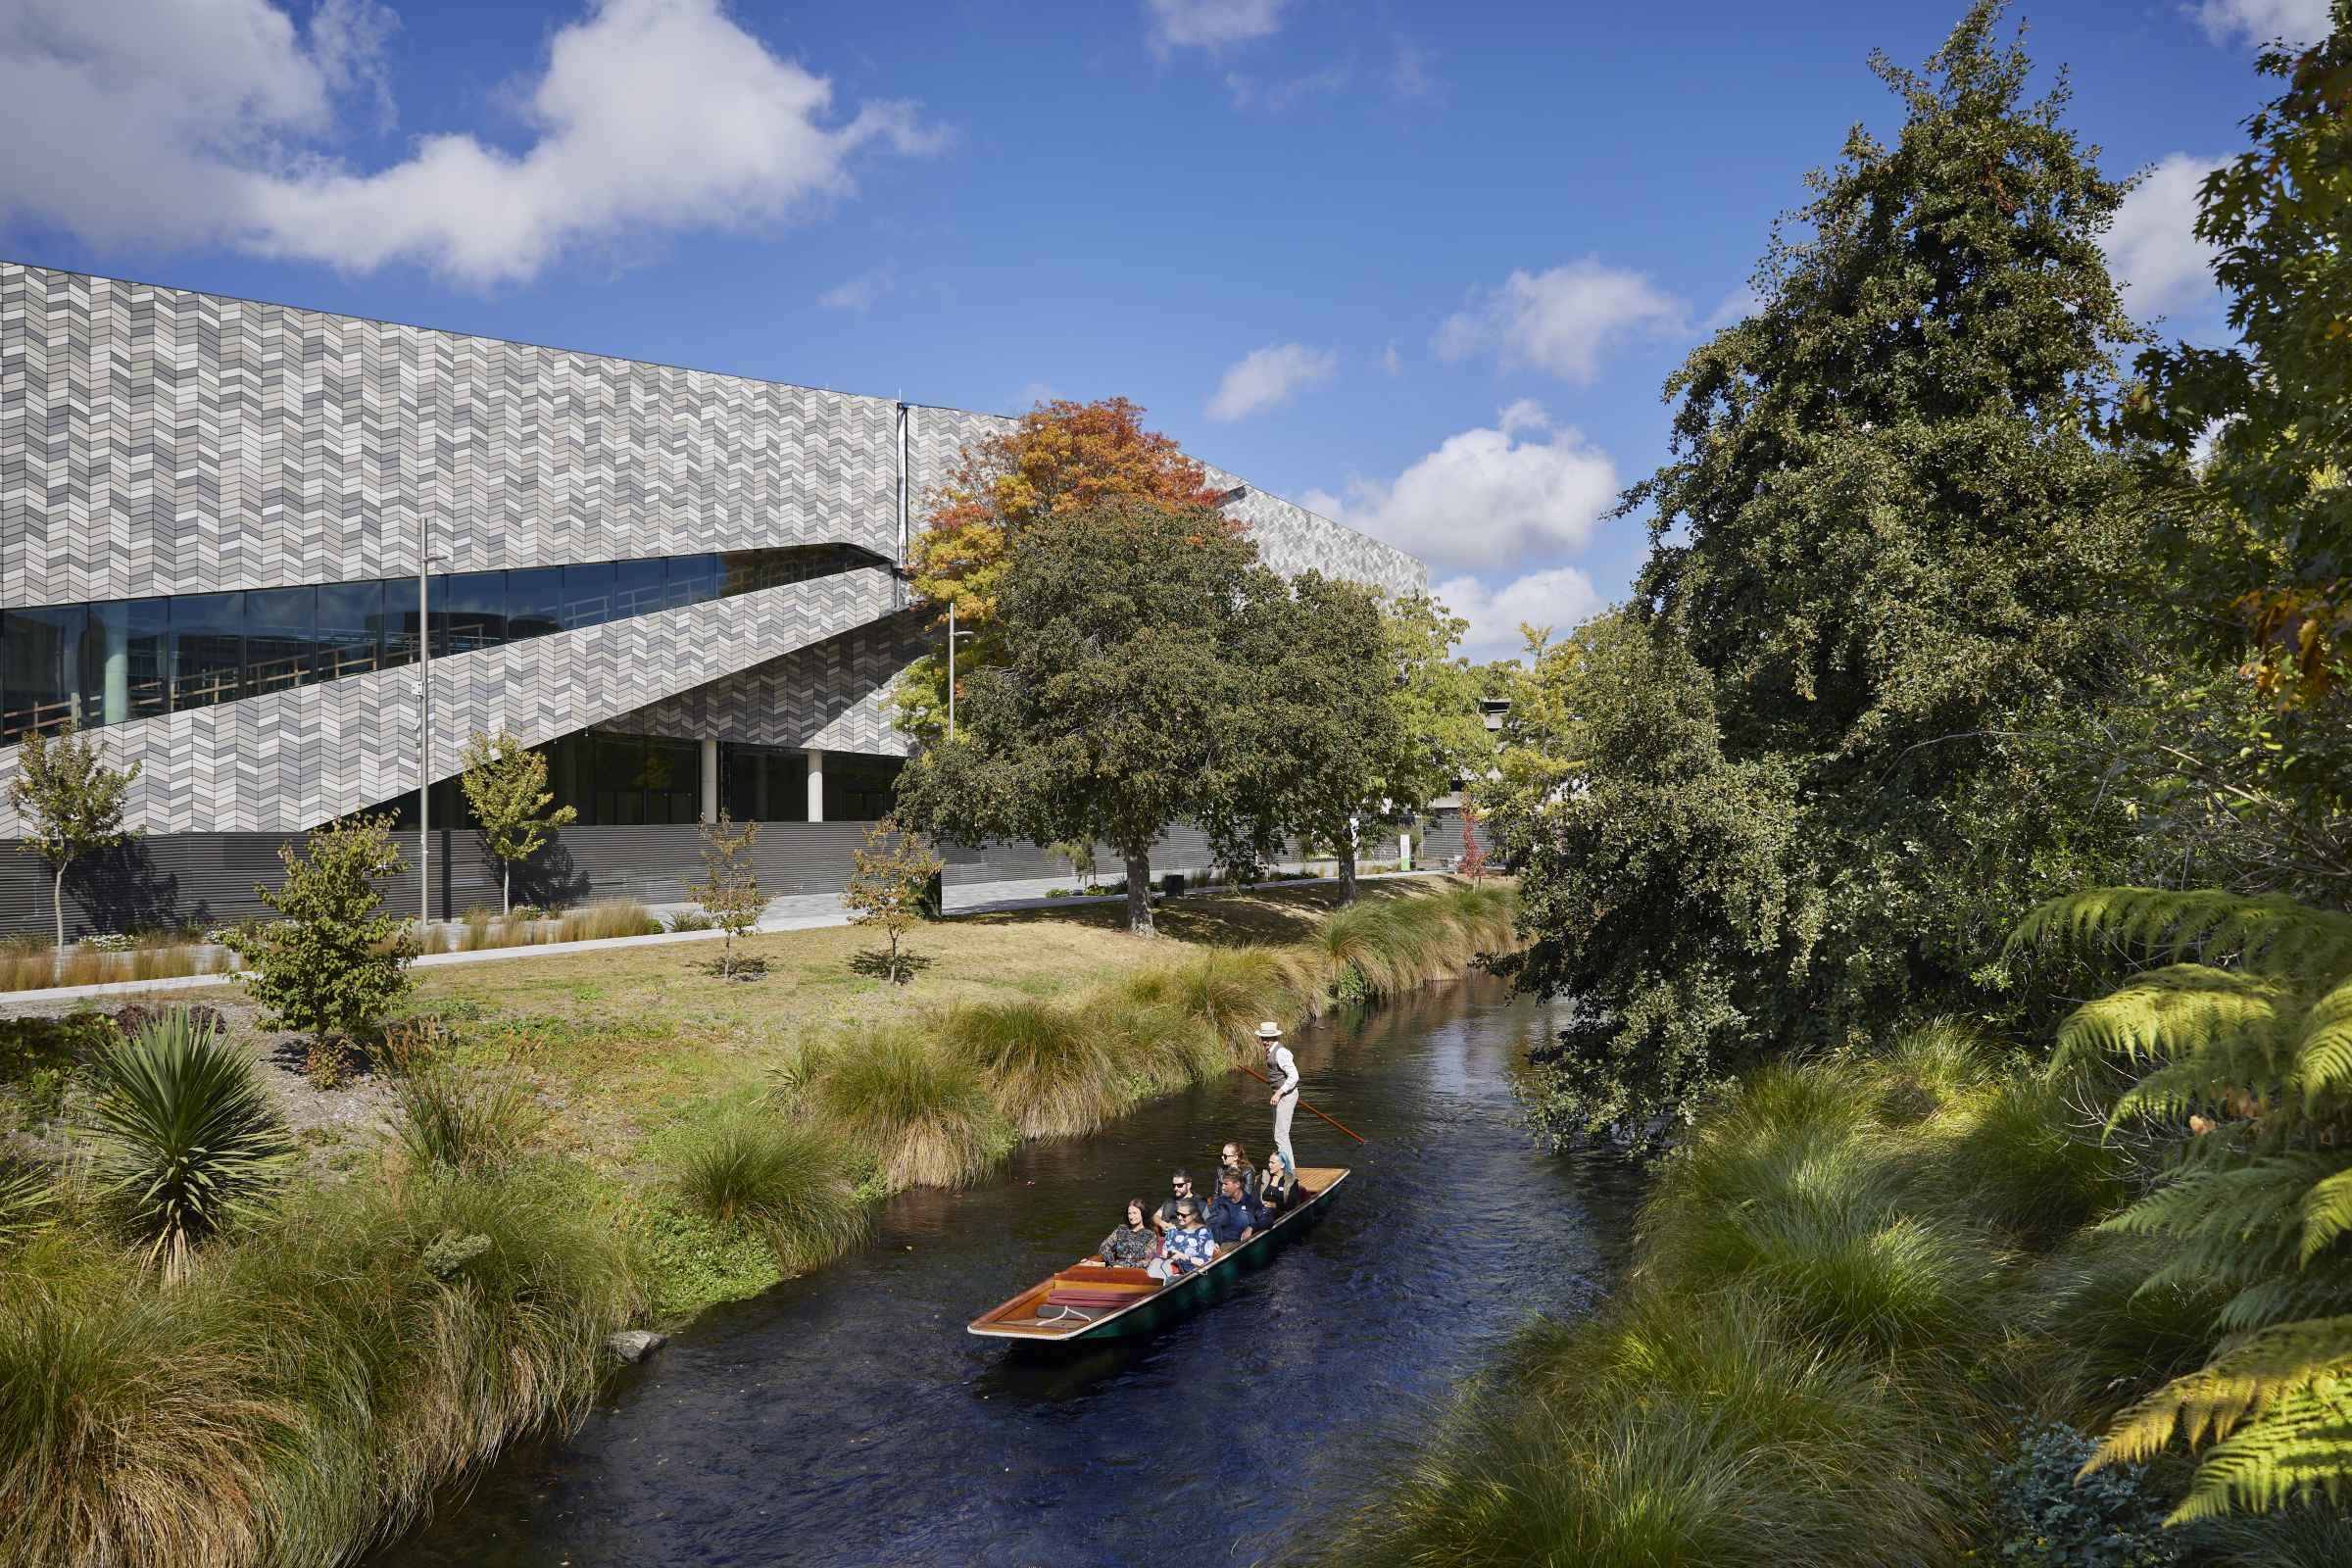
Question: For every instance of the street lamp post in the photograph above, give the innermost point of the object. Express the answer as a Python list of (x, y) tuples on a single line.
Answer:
[(952, 635), (425, 726)]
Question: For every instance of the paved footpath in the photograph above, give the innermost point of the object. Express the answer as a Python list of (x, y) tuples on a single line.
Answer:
[(799, 911)]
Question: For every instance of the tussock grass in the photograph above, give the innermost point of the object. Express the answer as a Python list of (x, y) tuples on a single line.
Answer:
[(1674, 1432), (309, 1384), (465, 1118), (621, 919), (923, 1107), (1050, 1068), (36, 968), (784, 1182)]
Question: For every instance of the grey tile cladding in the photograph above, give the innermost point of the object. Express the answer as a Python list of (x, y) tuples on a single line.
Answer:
[(155, 441)]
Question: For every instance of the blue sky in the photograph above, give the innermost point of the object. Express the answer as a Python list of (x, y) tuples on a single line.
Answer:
[(1424, 267)]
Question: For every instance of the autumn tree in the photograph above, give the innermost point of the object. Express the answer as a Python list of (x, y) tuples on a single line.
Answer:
[(70, 803), (1123, 702), (506, 784), (887, 887), (1061, 459)]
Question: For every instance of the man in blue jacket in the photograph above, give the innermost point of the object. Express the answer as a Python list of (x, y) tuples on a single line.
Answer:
[(1235, 1215)]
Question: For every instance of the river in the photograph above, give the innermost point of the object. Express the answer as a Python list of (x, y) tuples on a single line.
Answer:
[(848, 1420)]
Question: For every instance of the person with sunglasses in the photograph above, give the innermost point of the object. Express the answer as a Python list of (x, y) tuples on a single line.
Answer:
[(1233, 1161), (1186, 1250), (1180, 1189)]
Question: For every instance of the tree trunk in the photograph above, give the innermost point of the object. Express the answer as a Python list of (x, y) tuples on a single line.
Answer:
[(505, 888), (57, 903), (1348, 870), (1138, 892)]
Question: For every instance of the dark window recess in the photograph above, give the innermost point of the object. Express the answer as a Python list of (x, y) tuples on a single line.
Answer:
[(860, 789), (764, 784), (120, 659)]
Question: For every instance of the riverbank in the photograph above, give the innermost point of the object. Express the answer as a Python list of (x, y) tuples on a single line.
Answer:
[(596, 1143), (1871, 1318)]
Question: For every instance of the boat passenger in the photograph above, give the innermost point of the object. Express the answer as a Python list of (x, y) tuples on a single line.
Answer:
[(1179, 1188), (1189, 1248), (1132, 1243), (1276, 1190), (1235, 1216), (1234, 1159)]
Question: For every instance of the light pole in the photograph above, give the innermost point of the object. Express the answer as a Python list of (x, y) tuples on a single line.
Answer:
[(425, 726), (952, 635)]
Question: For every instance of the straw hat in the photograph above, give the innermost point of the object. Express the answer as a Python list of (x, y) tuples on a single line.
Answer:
[(1269, 1030)]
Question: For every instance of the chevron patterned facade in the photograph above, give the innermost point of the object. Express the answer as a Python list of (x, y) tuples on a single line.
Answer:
[(159, 442)]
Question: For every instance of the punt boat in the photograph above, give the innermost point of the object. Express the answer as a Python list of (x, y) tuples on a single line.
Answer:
[(1092, 1302)]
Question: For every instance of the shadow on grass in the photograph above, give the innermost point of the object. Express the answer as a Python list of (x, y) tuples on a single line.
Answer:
[(874, 963), (1224, 918), (744, 968)]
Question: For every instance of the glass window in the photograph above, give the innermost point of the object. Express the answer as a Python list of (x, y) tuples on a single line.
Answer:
[(351, 629), (673, 786), (619, 781), (765, 785), (400, 619), (475, 612), (208, 649), (133, 685), (534, 602), (587, 595), (35, 695), (858, 789), (281, 636), (639, 587), (692, 580)]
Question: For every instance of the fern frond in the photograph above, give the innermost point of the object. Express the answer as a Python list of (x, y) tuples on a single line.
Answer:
[(2272, 934), (2326, 1210), (2179, 1010), (2259, 1370), (2300, 1442), (2324, 1046)]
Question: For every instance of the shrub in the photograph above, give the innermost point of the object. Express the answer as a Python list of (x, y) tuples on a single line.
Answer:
[(333, 964), (691, 920), (466, 1119), (782, 1182), (187, 1140), (924, 1110), (2054, 1517), (29, 1046)]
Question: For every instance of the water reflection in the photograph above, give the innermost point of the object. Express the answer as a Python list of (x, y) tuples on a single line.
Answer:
[(848, 1420)]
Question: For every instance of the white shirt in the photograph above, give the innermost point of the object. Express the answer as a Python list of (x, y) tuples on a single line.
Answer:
[(1285, 1067)]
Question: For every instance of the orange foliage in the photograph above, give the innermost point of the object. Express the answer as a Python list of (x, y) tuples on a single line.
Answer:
[(1062, 457)]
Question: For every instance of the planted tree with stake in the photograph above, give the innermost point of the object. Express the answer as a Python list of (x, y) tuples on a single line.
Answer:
[(506, 783), (887, 889), (729, 892), (70, 803)]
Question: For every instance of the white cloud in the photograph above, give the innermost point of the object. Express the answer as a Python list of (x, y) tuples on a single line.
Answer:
[(1560, 320), (1409, 73), (1252, 92), (1560, 598), (861, 292), (1208, 23), (2153, 248), (1487, 498), (1264, 378), (203, 124), (2301, 23), (1390, 362), (1736, 307)]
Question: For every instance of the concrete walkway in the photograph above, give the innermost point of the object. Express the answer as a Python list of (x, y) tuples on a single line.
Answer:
[(800, 911)]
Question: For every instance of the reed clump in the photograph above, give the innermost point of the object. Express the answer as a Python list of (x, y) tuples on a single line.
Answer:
[(595, 921), (309, 1382), (922, 1107), (782, 1181)]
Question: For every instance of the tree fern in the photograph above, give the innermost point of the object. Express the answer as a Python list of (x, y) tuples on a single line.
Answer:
[(2236, 1039)]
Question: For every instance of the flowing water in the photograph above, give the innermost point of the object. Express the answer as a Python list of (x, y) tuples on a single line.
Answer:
[(848, 1418)]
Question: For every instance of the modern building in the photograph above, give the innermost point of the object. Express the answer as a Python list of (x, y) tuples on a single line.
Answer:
[(213, 519)]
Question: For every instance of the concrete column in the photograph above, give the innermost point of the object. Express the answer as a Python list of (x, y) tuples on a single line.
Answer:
[(816, 786), (709, 780), (1405, 850), (116, 701)]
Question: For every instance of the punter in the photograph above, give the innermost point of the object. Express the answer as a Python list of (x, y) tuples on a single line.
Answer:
[(1282, 1069)]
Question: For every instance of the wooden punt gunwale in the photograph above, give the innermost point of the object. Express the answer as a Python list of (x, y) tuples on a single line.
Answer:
[(1017, 1318)]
